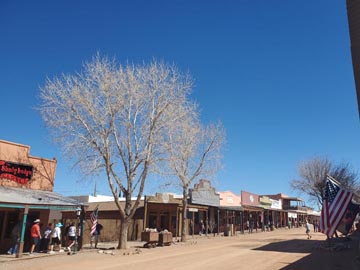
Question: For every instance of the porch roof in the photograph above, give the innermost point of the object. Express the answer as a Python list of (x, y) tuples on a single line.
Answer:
[(35, 199), (231, 208)]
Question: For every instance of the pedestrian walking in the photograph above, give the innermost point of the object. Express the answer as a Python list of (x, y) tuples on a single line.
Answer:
[(56, 238), (201, 227), (308, 227), (35, 236), (316, 225), (15, 237), (191, 227), (71, 236), (95, 236), (251, 225), (45, 241), (66, 234)]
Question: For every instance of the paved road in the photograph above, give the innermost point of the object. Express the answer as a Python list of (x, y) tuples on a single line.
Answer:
[(280, 249)]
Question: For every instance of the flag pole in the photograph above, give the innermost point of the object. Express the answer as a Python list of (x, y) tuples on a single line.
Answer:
[(333, 179)]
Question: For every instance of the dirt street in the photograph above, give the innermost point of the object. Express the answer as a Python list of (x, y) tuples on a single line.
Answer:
[(281, 249)]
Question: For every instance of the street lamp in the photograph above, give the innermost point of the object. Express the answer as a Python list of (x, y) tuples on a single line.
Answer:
[(78, 212)]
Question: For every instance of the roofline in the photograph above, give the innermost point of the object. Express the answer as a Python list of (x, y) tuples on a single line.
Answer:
[(28, 147)]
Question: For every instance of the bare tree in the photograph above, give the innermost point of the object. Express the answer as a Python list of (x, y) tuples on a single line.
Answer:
[(194, 152), (313, 174), (111, 120)]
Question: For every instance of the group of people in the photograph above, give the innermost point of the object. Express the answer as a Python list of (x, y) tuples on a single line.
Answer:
[(49, 238), (316, 225), (45, 239)]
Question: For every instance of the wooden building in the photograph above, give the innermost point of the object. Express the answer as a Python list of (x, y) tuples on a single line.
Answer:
[(231, 214), (164, 210), (253, 211), (26, 193), (292, 210), (108, 217), (204, 198)]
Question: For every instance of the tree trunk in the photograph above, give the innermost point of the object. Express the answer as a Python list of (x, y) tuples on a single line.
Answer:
[(123, 234), (184, 216)]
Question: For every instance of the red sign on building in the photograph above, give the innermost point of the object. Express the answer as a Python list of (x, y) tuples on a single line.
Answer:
[(248, 198), (18, 173)]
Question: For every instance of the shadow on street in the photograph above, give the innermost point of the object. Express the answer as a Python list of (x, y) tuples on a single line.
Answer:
[(343, 253)]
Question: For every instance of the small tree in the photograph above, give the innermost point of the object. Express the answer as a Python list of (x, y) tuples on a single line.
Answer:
[(313, 173), (111, 119), (194, 151)]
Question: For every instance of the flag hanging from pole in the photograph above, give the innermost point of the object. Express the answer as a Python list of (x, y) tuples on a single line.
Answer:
[(335, 202), (94, 220), (348, 218)]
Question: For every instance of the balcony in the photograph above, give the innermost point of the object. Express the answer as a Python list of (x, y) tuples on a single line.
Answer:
[(297, 208)]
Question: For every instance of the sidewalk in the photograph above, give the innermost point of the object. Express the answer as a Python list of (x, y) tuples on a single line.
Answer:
[(86, 248)]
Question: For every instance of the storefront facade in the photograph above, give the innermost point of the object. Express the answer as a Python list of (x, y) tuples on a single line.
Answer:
[(163, 212), (108, 216), (231, 213), (280, 216), (294, 210), (253, 212), (266, 216), (26, 192), (207, 201)]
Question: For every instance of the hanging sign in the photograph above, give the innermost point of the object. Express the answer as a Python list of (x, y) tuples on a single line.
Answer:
[(16, 172)]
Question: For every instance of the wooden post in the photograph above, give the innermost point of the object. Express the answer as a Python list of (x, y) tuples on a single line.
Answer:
[(193, 227), (177, 223), (207, 222), (145, 213), (22, 234), (218, 221)]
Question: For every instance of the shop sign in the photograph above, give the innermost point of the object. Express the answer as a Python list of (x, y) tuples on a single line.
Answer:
[(204, 197), (204, 194), (229, 200), (265, 200), (275, 204), (16, 172), (248, 198)]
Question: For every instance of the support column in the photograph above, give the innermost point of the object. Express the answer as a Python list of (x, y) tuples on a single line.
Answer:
[(218, 221), (22, 234), (206, 222), (145, 213)]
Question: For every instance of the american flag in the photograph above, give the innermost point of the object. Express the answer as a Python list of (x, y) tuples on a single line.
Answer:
[(335, 202), (94, 220)]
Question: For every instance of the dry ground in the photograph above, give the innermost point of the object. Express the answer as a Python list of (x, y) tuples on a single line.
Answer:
[(281, 249)]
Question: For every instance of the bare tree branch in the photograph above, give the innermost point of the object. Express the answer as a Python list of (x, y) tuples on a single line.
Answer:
[(112, 119), (194, 152), (313, 174)]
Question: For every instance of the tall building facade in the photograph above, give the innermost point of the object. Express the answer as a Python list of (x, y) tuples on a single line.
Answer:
[(353, 12)]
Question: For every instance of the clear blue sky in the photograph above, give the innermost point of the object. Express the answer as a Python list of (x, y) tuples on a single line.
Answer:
[(278, 74)]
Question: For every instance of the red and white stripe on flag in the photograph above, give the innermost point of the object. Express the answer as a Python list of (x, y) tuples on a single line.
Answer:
[(332, 213), (93, 218)]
